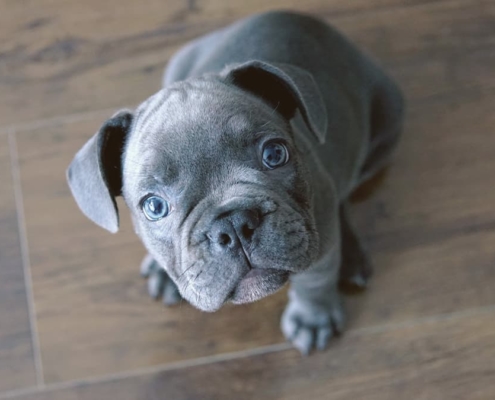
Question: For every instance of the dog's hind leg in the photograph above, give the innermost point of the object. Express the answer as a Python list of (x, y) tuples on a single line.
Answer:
[(356, 268), (386, 118)]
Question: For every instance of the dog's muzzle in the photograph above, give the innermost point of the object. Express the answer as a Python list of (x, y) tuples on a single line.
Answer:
[(233, 233)]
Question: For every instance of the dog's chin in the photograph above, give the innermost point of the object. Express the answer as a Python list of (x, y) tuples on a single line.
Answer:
[(258, 283), (253, 286)]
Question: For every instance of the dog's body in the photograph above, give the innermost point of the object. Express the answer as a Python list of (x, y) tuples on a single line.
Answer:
[(238, 172)]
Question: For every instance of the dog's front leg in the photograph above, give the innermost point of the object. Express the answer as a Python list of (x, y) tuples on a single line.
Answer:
[(159, 283), (314, 313)]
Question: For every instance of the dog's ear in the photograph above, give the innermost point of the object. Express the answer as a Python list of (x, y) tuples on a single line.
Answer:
[(284, 87), (95, 174)]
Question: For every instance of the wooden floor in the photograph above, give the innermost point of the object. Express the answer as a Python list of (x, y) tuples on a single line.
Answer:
[(75, 319)]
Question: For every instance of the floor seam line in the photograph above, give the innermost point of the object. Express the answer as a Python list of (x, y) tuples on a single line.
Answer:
[(274, 348), (172, 366), (26, 262)]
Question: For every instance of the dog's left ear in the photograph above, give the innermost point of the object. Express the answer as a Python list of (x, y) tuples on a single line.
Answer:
[(286, 88)]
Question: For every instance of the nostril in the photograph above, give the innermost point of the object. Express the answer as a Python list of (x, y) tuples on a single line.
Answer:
[(231, 230), (247, 232), (224, 239)]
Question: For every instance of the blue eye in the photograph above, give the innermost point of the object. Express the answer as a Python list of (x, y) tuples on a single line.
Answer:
[(155, 208), (275, 154)]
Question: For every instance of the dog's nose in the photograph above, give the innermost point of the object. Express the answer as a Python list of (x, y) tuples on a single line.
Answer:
[(230, 230)]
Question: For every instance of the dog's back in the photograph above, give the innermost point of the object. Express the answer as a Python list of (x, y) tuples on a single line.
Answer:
[(364, 106)]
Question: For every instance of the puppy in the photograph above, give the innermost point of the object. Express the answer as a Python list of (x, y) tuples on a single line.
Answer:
[(238, 172)]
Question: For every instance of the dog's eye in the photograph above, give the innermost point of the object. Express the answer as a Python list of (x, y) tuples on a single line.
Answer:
[(275, 154), (155, 208)]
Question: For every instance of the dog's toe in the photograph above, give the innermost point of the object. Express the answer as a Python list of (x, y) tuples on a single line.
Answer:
[(323, 335), (306, 337), (159, 283), (304, 340), (307, 326), (148, 265), (171, 294), (156, 283)]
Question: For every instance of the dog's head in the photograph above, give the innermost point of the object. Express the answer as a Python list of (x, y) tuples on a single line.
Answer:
[(214, 180)]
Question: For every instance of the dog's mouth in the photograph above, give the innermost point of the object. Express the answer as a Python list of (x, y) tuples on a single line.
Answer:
[(256, 264), (258, 283)]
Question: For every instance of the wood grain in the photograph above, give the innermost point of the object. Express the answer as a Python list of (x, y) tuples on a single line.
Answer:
[(439, 359), (439, 177), (431, 242), (59, 57), (430, 224), (16, 355)]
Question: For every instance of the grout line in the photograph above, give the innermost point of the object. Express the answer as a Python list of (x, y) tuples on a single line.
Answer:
[(26, 263), (274, 348)]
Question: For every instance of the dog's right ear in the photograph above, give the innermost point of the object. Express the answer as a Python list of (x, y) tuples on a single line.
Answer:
[(95, 174)]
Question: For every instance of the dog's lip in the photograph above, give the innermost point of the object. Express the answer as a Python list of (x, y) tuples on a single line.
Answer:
[(258, 283)]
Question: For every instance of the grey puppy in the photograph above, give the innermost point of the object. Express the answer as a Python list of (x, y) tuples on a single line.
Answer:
[(238, 172)]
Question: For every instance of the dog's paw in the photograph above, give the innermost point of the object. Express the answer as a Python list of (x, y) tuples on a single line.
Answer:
[(309, 325), (159, 283)]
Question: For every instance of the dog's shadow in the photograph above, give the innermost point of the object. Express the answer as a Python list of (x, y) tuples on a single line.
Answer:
[(368, 188)]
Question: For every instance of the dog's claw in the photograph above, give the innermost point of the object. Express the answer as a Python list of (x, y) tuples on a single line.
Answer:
[(159, 283), (303, 341), (323, 336), (147, 265), (308, 326)]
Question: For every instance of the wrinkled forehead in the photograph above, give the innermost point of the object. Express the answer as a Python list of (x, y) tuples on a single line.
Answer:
[(203, 111), (195, 124)]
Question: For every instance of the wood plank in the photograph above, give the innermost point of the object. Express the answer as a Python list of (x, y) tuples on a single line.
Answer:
[(430, 224), (16, 355), (440, 359), (64, 57), (442, 276), (439, 176), (446, 43)]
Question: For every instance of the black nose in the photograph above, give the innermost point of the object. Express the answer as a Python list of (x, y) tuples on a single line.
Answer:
[(230, 231)]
